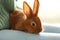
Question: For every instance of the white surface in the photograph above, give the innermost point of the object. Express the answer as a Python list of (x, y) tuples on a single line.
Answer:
[(17, 35), (51, 28)]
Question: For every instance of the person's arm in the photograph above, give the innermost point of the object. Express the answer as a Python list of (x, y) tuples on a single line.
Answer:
[(8, 5)]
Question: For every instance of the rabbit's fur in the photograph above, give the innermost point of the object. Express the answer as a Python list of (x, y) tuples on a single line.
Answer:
[(28, 20)]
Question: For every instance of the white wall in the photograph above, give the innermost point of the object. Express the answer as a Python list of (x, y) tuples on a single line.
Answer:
[(49, 10)]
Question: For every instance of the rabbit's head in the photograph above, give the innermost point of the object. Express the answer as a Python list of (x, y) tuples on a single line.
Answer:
[(32, 23)]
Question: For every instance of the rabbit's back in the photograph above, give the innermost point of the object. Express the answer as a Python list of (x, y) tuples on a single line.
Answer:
[(16, 17)]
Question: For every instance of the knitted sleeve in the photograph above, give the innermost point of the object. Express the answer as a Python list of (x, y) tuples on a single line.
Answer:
[(4, 18)]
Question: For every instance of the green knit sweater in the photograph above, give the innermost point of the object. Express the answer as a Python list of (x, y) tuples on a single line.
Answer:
[(4, 18)]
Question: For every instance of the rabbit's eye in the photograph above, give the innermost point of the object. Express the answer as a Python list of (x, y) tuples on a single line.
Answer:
[(33, 24)]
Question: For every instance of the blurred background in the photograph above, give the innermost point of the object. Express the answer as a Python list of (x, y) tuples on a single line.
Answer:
[(49, 10)]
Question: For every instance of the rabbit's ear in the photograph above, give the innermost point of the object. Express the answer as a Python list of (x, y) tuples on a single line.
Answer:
[(27, 10), (36, 7)]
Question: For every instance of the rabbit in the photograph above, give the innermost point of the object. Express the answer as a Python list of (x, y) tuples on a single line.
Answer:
[(26, 20)]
